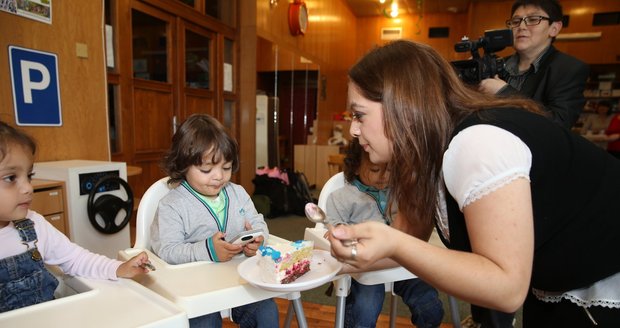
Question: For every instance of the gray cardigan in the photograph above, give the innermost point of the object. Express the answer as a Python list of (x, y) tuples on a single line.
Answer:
[(183, 225), (349, 205)]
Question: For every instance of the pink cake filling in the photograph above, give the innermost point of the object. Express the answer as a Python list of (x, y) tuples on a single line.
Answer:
[(285, 262), (296, 271)]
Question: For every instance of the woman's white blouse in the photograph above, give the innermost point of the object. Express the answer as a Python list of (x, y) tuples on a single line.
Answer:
[(482, 158)]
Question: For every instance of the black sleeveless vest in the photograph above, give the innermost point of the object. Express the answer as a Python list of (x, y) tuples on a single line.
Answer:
[(576, 202)]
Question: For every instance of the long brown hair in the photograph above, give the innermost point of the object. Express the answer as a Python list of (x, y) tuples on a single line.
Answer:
[(423, 100)]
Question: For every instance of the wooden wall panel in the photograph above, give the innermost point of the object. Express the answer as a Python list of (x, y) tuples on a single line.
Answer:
[(605, 50), (329, 42), (84, 133), (155, 109), (415, 28), (196, 104), (600, 51), (265, 55), (151, 171)]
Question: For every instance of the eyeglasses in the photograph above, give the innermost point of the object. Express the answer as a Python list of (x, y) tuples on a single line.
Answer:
[(529, 21)]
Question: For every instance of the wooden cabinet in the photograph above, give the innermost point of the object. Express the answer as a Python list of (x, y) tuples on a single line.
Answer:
[(48, 200), (312, 161)]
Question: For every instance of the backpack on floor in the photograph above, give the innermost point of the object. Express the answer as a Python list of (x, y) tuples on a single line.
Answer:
[(277, 193), (300, 192)]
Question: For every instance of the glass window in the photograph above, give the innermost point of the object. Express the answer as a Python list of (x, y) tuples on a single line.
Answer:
[(107, 11), (229, 72), (224, 10), (113, 117), (197, 60), (229, 114), (150, 51), (190, 3), (109, 35)]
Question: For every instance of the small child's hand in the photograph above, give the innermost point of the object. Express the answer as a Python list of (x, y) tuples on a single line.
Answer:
[(134, 266), (251, 248), (223, 249)]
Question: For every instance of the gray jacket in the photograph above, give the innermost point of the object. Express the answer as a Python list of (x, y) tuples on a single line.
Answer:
[(183, 225), (350, 205)]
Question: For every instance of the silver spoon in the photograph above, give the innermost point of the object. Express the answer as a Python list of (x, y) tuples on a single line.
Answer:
[(315, 214)]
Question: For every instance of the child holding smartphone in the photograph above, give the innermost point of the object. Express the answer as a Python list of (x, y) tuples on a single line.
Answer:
[(197, 220), (29, 241)]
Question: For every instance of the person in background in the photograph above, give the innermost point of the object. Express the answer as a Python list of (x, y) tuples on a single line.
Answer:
[(538, 70), (595, 126), (364, 198), (196, 219), (528, 209), (29, 241), (613, 136)]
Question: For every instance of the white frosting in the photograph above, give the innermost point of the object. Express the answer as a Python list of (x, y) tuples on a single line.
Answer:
[(274, 257)]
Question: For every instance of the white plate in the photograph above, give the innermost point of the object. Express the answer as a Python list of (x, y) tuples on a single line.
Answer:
[(323, 268)]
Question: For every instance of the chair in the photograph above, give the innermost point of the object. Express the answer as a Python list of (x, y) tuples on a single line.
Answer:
[(335, 164), (146, 211), (144, 219), (385, 276)]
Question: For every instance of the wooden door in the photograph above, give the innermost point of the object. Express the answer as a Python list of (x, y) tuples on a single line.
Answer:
[(154, 89), (174, 60), (197, 70)]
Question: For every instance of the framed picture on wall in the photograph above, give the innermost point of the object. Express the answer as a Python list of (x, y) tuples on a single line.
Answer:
[(40, 10)]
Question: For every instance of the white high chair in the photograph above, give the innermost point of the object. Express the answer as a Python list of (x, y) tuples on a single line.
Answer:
[(342, 283), (145, 215)]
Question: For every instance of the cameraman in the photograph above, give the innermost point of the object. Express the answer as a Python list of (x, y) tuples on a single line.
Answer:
[(537, 70)]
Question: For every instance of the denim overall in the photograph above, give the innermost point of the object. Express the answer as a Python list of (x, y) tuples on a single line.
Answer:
[(24, 280)]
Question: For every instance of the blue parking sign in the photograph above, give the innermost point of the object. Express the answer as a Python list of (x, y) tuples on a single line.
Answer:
[(36, 91)]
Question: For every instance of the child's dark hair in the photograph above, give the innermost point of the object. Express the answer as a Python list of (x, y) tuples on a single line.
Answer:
[(11, 136), (199, 134), (353, 160)]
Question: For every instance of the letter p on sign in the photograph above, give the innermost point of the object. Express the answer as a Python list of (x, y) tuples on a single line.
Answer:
[(36, 91)]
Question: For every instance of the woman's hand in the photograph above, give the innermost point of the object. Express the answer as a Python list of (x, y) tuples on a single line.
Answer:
[(375, 240), (134, 266)]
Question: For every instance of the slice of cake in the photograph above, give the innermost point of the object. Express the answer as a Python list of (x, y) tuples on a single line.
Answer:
[(282, 263)]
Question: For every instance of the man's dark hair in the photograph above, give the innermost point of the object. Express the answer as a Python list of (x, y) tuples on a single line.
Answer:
[(551, 7)]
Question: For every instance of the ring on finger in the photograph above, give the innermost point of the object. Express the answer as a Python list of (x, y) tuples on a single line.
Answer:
[(353, 252)]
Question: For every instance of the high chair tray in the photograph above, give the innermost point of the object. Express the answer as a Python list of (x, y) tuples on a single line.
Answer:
[(99, 303), (201, 287)]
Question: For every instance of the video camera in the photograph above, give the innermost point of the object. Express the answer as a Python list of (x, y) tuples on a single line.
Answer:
[(472, 71)]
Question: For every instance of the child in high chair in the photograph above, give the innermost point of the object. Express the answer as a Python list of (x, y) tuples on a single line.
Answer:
[(29, 241), (196, 220), (365, 198)]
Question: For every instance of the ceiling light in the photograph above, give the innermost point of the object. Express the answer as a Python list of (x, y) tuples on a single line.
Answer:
[(394, 9)]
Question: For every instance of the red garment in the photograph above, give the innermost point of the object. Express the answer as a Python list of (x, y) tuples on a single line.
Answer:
[(614, 127)]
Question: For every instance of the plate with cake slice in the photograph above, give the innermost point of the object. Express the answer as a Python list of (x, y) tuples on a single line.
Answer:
[(289, 267)]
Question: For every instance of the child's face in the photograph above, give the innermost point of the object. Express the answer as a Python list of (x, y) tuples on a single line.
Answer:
[(15, 187), (373, 175), (208, 178)]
